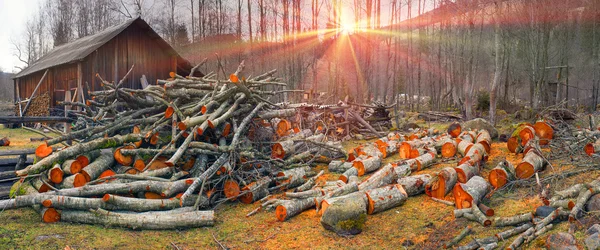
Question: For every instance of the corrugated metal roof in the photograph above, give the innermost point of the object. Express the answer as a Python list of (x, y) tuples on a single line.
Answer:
[(82, 47)]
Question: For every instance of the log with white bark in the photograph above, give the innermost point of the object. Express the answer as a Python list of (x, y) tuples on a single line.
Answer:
[(502, 174), (442, 183), (531, 164), (466, 171), (290, 208), (76, 150), (255, 190), (414, 184), (165, 220), (469, 194), (384, 198), (367, 165), (382, 177)]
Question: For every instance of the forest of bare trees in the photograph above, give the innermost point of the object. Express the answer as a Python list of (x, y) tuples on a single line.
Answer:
[(425, 54)]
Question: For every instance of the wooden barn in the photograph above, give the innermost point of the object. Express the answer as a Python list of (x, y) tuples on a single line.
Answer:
[(109, 53)]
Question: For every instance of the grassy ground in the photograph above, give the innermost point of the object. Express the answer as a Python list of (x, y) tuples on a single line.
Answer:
[(418, 224)]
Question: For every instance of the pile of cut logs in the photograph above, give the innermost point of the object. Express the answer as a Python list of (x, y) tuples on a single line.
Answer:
[(37, 106), (154, 156)]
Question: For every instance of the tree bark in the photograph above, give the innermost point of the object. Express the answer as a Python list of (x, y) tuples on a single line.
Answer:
[(415, 184), (290, 208), (471, 193), (442, 183), (384, 198), (77, 149), (502, 174), (153, 221)]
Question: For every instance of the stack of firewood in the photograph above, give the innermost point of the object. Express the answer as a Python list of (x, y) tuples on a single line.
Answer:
[(39, 106)]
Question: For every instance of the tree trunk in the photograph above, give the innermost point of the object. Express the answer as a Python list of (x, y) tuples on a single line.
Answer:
[(382, 177), (290, 208), (255, 190), (442, 183), (415, 184), (346, 215), (498, 64), (503, 173), (384, 198), (531, 164), (466, 171), (471, 193), (78, 149), (152, 221)]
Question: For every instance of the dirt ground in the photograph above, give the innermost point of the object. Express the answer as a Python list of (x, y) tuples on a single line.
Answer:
[(418, 224)]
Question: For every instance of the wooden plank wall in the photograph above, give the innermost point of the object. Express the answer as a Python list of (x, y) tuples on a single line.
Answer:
[(133, 47)]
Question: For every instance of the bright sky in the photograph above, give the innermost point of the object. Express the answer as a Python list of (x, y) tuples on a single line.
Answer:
[(13, 16)]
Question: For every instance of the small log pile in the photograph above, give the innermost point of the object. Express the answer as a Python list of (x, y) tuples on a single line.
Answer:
[(39, 106)]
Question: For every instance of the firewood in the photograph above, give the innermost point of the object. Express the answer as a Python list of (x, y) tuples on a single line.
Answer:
[(485, 209), (514, 220), (502, 174), (382, 177), (531, 164), (367, 165), (480, 216), (469, 194), (442, 183), (71, 167), (454, 130), (290, 208), (544, 132), (348, 173), (401, 169), (255, 190), (584, 196), (86, 158), (448, 148), (565, 204), (504, 235), (151, 221), (415, 184), (339, 166), (309, 183), (144, 205), (346, 215), (77, 149), (56, 174), (474, 154), (462, 146), (293, 177), (384, 198), (592, 147), (97, 166), (465, 171)]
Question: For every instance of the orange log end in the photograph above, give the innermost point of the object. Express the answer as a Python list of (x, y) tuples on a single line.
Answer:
[(226, 129), (169, 112), (83, 160), (107, 173), (544, 132), (43, 150), (512, 144), (56, 175), (277, 151), (76, 167), (79, 180), (497, 178), (281, 213), (454, 130), (360, 167), (448, 150), (50, 215), (139, 164), (151, 195), (231, 189), (404, 150), (123, 159), (524, 170), (589, 149), (47, 203)]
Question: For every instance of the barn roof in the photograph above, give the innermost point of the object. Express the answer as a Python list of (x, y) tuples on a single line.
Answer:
[(82, 47)]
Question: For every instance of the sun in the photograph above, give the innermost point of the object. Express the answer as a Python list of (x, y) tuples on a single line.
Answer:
[(347, 28)]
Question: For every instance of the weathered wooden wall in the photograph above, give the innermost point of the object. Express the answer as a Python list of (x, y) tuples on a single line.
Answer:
[(133, 46)]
